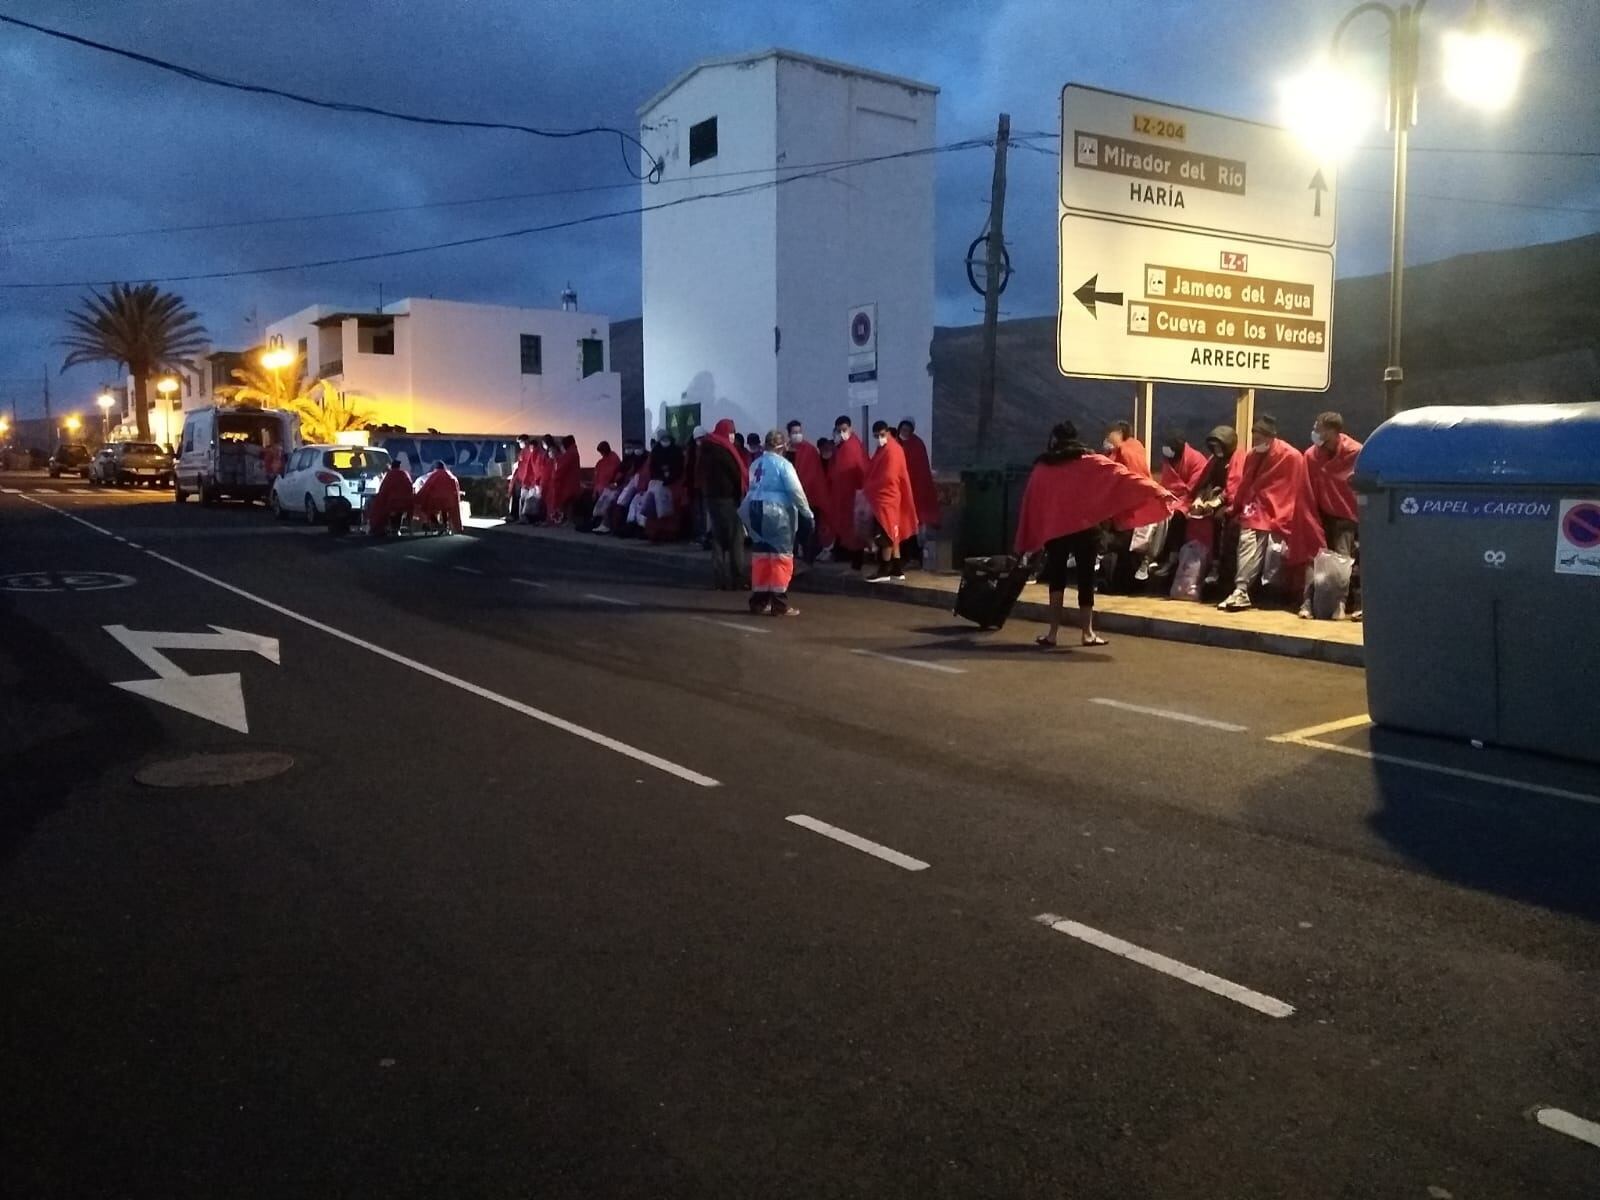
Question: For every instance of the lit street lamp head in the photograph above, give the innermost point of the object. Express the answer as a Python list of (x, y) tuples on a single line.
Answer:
[(1482, 68), (72, 423), (1329, 108), (276, 356), (167, 385), (105, 400)]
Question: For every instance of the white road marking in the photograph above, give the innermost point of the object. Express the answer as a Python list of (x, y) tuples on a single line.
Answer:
[(1416, 764), (610, 600), (1169, 714), (1214, 984), (742, 628), (859, 843), (527, 710), (533, 583), (912, 662), (1312, 731), (467, 570), (12, 491), (71, 517), (1573, 1126), (418, 558)]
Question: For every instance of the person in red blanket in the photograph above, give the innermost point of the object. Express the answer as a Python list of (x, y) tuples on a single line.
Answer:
[(1182, 467), (887, 488), (1070, 491), (566, 480), (923, 489), (1273, 500), (520, 474), (438, 499), (807, 461), (1122, 447), (392, 504), (846, 473), (607, 477), (1330, 461)]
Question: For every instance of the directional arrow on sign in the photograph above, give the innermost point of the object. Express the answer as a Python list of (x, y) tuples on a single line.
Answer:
[(1088, 297), (218, 698), (1319, 185)]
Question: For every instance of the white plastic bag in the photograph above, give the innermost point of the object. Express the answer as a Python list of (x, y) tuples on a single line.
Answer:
[(1330, 583), (1149, 540), (1272, 562), (1191, 570)]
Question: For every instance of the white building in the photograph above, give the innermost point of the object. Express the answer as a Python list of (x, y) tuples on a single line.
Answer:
[(747, 298), (465, 368)]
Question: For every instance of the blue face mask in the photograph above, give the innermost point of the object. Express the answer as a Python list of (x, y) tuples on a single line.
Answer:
[(1316, 437)]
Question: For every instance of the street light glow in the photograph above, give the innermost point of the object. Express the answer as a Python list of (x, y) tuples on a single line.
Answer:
[(167, 385), (105, 400), (1327, 108), (72, 423), (276, 356), (1482, 68)]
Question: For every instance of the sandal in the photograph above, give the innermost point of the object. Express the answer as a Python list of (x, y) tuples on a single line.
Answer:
[(1094, 639), (1045, 642)]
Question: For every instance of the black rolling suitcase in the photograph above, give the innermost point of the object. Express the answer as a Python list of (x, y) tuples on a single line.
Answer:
[(989, 589)]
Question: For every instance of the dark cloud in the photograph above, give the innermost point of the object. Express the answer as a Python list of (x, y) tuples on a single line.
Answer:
[(98, 144)]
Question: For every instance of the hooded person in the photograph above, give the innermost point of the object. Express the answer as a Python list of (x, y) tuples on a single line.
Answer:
[(777, 514), (1213, 490), (807, 463), (846, 473), (438, 498), (605, 486), (887, 489), (566, 481), (1181, 468), (393, 502), (1070, 492), (1273, 500), (521, 476), (724, 479), (924, 491), (1330, 462)]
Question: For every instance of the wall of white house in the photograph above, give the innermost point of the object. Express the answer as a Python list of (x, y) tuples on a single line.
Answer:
[(708, 279), (863, 235)]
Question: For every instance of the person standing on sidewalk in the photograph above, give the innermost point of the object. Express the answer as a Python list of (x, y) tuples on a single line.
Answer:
[(1330, 461), (807, 462), (724, 479), (924, 491), (1070, 491), (887, 488), (846, 473), (777, 514), (1274, 501)]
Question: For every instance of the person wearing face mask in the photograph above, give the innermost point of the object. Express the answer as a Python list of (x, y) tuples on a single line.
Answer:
[(846, 474), (1273, 500), (1122, 447), (1119, 566), (807, 463), (1071, 492), (887, 488), (1330, 461), (1182, 467), (923, 489)]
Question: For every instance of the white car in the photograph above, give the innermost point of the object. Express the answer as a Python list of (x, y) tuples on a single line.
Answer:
[(314, 475)]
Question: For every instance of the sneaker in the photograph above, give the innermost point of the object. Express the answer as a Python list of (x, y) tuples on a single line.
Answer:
[(1143, 573), (1305, 612), (1237, 602), (1162, 570), (897, 579), (880, 577)]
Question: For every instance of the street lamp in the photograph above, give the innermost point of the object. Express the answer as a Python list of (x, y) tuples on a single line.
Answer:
[(1328, 107), (276, 356), (72, 423), (167, 385), (105, 400)]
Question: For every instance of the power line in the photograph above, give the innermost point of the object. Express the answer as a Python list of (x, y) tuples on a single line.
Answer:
[(479, 239), (624, 138), (435, 204)]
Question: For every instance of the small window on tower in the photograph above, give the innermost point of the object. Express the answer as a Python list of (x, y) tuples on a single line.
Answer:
[(703, 141)]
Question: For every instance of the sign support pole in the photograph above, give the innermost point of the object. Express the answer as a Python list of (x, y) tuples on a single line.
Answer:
[(1144, 412), (991, 287), (1244, 415)]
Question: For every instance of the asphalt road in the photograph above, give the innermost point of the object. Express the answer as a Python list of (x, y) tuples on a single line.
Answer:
[(530, 914)]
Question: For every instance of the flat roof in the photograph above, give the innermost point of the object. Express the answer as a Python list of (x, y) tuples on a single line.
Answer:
[(363, 318), (754, 56)]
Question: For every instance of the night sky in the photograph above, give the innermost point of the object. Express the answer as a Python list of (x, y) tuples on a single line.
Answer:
[(97, 145)]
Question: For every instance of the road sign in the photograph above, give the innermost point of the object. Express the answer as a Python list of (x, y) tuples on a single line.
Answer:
[(862, 357), (1578, 538), (1138, 302), (218, 698), (1143, 160)]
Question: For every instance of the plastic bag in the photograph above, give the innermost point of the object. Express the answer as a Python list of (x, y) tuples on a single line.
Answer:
[(1191, 570), (1149, 540), (1272, 561), (1330, 583)]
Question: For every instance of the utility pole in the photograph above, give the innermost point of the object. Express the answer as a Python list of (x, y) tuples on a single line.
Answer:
[(47, 419), (992, 283)]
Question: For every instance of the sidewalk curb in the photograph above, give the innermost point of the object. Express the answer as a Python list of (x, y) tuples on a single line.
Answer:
[(697, 565)]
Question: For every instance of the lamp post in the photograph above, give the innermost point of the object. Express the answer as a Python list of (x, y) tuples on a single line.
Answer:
[(1482, 67), (276, 356), (72, 424), (167, 385), (105, 400)]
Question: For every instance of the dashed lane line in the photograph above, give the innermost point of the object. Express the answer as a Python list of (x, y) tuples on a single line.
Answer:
[(419, 558), (1205, 980), (1169, 715), (845, 837), (467, 570), (527, 710), (611, 600), (735, 625), (533, 583), (1573, 1126), (920, 663)]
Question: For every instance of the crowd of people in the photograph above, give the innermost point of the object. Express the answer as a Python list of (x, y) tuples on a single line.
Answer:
[(1246, 522)]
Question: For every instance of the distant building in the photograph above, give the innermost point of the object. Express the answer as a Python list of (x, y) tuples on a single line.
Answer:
[(465, 368), (748, 298)]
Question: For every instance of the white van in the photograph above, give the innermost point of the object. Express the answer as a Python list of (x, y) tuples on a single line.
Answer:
[(232, 451)]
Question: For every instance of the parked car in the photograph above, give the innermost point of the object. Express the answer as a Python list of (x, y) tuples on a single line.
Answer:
[(314, 475), (231, 452), (125, 463), (70, 458)]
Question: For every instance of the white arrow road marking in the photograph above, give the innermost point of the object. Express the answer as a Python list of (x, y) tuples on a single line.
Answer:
[(218, 698)]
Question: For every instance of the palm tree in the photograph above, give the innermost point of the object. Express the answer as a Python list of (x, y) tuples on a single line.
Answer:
[(321, 408), (140, 326)]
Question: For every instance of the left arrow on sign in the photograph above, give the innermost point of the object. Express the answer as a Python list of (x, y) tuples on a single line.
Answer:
[(1088, 297), (218, 698)]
